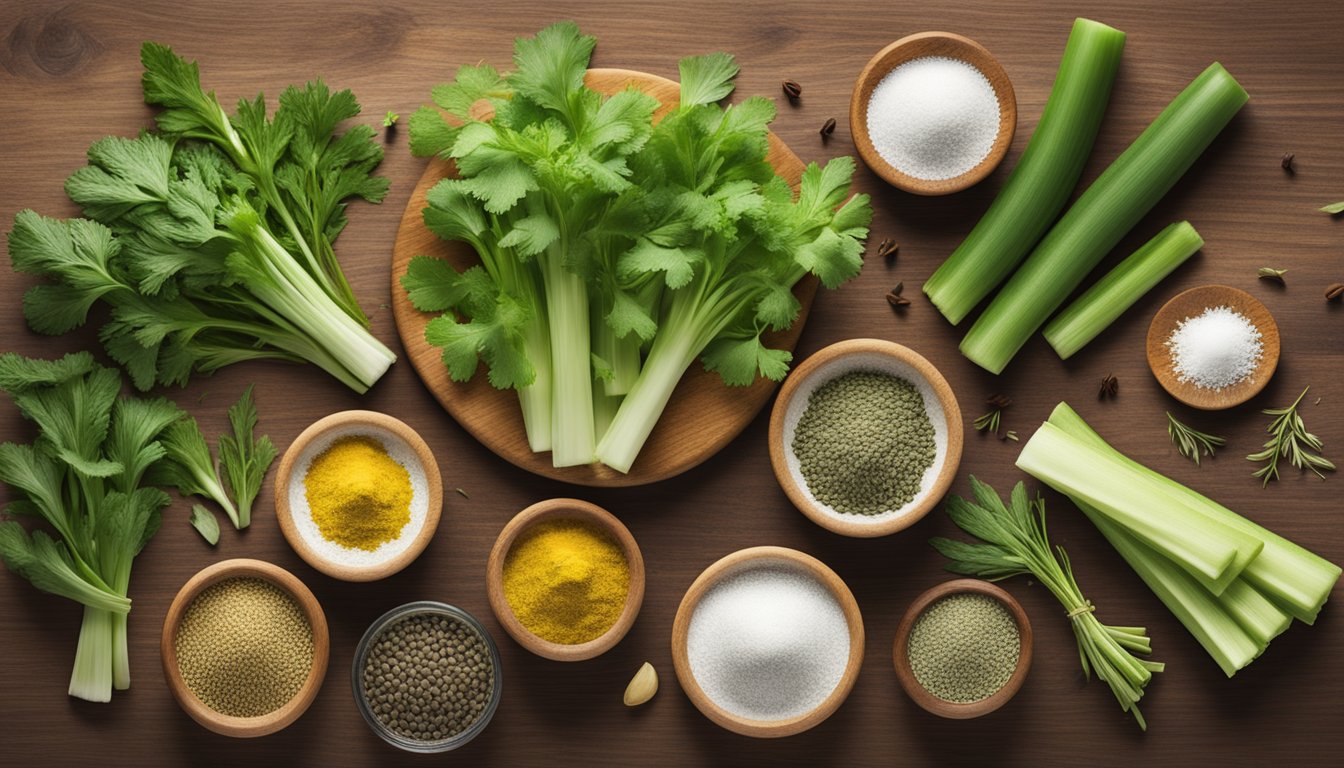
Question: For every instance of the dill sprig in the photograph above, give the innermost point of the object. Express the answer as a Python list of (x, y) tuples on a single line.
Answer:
[(1289, 439), (1190, 442)]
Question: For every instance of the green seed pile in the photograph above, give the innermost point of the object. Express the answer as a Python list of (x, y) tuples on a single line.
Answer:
[(428, 677), (864, 443), (244, 647), (964, 647)]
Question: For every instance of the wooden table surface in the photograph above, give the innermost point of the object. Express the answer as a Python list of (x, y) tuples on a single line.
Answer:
[(69, 74)]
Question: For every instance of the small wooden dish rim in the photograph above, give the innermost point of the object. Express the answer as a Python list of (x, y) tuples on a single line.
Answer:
[(747, 559), (917, 46), (1190, 303), (285, 476), (230, 725), (951, 413), (952, 709), (564, 509)]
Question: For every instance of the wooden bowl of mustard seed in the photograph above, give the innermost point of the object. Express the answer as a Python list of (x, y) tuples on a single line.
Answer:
[(963, 649), (358, 495), (244, 648), (565, 579), (865, 437)]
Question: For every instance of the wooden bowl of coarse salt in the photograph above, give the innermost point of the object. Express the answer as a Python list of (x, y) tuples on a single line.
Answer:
[(865, 437), (767, 642), (933, 113), (1213, 347), (358, 495)]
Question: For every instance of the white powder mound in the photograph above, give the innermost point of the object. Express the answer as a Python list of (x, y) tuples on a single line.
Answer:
[(1216, 349), (769, 643), (882, 364), (933, 118), (401, 453)]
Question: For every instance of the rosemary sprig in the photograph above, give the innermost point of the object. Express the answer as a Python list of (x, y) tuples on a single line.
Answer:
[(1013, 542), (1289, 439), (1190, 441), (990, 421)]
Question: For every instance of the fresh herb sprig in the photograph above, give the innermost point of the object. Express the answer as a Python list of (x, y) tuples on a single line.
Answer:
[(189, 467), (203, 520), (1014, 543), (1333, 208), (245, 459), (1190, 442), (989, 421), (1289, 439)]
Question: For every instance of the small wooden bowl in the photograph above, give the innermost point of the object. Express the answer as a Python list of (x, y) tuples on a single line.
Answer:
[(1192, 303), (564, 509), (952, 709), (859, 355), (744, 560), (228, 725), (918, 46), (289, 487)]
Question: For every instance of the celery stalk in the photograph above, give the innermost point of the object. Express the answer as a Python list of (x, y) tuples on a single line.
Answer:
[(1109, 208), (1292, 576), (1214, 553), (1109, 297), (1043, 179), (1199, 611)]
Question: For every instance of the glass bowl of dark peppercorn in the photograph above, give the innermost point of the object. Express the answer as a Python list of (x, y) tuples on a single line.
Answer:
[(426, 677)]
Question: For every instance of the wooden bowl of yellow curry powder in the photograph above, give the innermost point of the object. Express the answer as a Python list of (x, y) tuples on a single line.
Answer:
[(358, 495), (566, 579)]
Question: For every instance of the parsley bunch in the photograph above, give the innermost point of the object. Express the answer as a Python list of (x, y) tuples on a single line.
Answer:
[(211, 240)]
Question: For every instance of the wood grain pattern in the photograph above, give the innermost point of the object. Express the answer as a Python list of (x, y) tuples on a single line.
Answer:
[(701, 418), (917, 46), (1192, 303), (69, 74)]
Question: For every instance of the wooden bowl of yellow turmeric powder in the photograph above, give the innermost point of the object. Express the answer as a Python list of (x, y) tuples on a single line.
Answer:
[(566, 579), (358, 495)]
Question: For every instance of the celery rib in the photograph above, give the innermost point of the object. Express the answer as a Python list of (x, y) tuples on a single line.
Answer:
[(1109, 297), (1044, 177), (1110, 207)]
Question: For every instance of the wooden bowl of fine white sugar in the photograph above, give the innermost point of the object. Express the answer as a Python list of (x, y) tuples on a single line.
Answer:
[(768, 642), (933, 113)]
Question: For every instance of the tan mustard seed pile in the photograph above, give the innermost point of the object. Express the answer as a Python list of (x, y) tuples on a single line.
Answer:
[(964, 647), (428, 677), (244, 647), (864, 443)]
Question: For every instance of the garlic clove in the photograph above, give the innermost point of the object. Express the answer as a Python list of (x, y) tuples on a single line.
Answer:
[(642, 686)]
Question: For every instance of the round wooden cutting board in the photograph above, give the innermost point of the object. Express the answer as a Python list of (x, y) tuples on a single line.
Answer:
[(703, 414)]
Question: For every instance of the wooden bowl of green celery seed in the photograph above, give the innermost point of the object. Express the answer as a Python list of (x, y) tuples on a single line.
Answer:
[(865, 437)]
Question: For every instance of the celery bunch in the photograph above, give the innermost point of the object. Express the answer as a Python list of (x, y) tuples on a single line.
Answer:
[(1191, 551), (83, 476), (616, 251)]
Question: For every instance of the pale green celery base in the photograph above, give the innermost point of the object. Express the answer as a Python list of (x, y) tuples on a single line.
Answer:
[(671, 355), (91, 678), (572, 438)]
